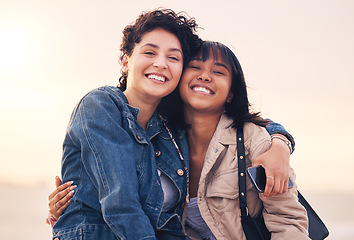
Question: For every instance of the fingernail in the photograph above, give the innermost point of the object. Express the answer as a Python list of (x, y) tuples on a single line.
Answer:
[(70, 182), (73, 187), (71, 193)]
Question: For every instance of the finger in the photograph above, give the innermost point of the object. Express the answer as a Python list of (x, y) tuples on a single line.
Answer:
[(61, 201), (281, 187), (53, 199), (57, 181), (269, 186), (61, 197), (65, 205), (69, 193), (276, 187), (59, 189), (286, 185), (282, 179), (62, 205)]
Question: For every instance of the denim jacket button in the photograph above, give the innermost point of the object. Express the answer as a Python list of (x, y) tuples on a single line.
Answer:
[(180, 172), (138, 137), (157, 153)]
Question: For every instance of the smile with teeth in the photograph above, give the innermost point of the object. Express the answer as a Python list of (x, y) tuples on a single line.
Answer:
[(156, 77), (202, 90)]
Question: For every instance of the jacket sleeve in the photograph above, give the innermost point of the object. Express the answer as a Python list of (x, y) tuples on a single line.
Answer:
[(284, 216), (273, 128), (96, 128)]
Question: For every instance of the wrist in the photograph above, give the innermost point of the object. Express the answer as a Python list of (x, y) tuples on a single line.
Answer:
[(51, 219), (283, 140)]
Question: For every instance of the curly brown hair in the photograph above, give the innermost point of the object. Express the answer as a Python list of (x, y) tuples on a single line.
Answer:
[(178, 24)]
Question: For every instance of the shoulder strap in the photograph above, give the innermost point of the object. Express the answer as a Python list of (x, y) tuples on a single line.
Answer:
[(241, 171)]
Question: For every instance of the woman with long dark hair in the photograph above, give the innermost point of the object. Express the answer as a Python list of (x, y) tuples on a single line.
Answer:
[(215, 103)]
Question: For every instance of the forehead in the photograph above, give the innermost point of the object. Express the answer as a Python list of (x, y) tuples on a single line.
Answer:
[(213, 54), (160, 36), (214, 57)]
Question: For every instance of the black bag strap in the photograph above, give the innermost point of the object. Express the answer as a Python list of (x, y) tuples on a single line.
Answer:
[(253, 228), (241, 172)]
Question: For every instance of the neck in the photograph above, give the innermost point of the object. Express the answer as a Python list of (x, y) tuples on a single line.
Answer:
[(203, 126), (147, 108)]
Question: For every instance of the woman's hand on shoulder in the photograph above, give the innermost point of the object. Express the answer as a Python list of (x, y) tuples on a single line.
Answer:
[(276, 164), (60, 198)]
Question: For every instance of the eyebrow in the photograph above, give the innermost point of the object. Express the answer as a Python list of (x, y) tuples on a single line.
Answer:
[(220, 64), (157, 47)]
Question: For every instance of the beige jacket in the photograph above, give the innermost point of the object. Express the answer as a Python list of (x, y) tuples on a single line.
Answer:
[(217, 195)]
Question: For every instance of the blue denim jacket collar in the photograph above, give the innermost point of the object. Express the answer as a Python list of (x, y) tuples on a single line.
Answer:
[(153, 126)]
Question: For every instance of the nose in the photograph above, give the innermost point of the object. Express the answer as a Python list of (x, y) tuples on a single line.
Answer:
[(204, 76), (160, 62)]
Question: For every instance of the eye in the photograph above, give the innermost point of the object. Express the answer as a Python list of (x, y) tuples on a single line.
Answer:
[(150, 53), (194, 67), (174, 58), (219, 73)]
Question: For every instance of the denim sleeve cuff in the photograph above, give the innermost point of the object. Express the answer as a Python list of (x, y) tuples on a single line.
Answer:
[(276, 128)]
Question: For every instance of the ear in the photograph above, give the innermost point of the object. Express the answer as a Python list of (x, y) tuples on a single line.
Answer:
[(124, 64), (229, 97)]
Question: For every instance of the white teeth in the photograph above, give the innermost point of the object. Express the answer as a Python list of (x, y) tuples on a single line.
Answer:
[(201, 89), (155, 77)]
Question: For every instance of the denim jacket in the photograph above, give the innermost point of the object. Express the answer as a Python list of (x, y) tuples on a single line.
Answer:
[(113, 162)]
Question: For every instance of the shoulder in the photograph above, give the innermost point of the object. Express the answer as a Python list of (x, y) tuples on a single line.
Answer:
[(257, 139), (226, 134), (251, 130), (103, 102), (104, 92), (106, 97)]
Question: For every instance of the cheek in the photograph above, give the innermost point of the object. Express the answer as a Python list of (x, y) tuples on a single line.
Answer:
[(227, 85), (182, 91), (183, 85), (177, 71)]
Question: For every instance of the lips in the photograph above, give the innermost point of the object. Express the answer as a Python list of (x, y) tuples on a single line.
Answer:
[(157, 77), (202, 90)]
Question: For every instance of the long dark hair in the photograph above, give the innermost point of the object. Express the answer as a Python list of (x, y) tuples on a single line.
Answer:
[(238, 109)]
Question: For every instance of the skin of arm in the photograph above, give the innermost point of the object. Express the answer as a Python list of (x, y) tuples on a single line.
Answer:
[(276, 161)]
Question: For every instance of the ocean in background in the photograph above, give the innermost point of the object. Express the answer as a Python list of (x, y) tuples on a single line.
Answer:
[(23, 211)]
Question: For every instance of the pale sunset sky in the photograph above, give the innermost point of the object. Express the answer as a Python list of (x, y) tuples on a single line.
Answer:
[(297, 56)]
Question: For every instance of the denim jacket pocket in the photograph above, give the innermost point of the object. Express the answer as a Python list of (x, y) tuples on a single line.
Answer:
[(69, 234), (89, 231)]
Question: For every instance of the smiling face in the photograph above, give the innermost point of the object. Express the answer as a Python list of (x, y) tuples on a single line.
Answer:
[(155, 66), (205, 85)]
